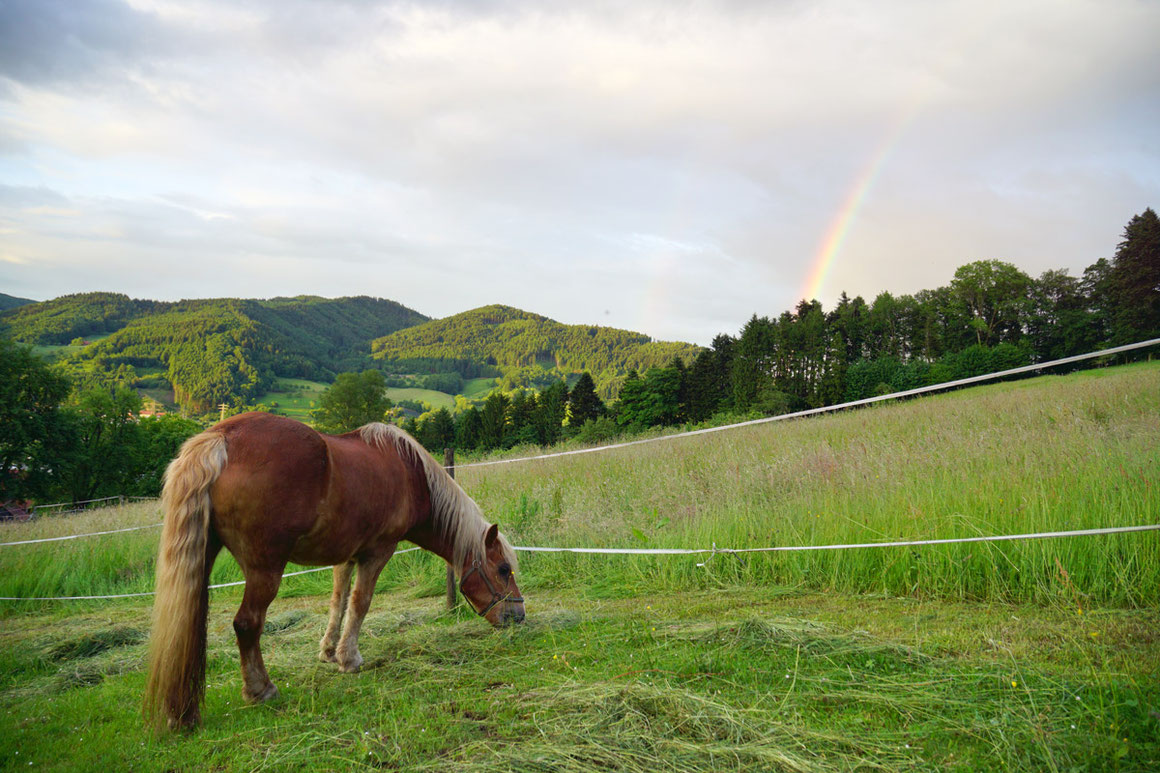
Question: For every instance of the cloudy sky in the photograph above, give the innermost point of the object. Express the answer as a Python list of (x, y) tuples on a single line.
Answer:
[(666, 167)]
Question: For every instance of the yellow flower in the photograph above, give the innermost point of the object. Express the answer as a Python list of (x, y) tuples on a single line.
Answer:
[(1014, 683), (555, 657)]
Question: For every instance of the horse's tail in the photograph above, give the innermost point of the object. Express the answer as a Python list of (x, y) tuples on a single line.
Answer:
[(177, 645)]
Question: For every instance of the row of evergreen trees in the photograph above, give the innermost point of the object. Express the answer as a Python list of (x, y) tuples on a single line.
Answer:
[(521, 417), (992, 316)]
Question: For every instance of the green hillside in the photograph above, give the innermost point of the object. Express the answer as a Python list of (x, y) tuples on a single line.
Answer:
[(59, 321), (12, 302), (212, 350), (528, 348)]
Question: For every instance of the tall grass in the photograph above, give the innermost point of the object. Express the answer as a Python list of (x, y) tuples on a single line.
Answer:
[(1053, 453)]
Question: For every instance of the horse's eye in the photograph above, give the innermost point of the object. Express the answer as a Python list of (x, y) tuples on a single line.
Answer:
[(504, 570)]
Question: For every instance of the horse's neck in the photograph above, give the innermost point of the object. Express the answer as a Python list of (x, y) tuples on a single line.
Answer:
[(426, 536)]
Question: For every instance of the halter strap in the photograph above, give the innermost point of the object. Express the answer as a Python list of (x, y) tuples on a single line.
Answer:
[(496, 596)]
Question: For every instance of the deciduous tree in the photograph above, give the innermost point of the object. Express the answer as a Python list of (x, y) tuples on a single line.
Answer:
[(354, 399)]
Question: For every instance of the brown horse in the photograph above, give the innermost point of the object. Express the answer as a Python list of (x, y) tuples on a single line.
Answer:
[(272, 490)]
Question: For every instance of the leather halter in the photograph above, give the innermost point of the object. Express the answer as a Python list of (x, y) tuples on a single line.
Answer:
[(496, 596)]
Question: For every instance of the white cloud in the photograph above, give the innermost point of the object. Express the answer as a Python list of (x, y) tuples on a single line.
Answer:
[(676, 164)]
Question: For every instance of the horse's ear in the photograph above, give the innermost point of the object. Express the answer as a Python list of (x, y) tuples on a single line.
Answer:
[(491, 536)]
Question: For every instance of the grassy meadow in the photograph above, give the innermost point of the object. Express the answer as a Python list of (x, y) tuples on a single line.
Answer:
[(295, 397), (1019, 655), (478, 388), (430, 396), (52, 352)]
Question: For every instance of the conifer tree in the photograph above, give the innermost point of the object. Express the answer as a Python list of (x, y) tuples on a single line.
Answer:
[(1135, 281), (583, 402)]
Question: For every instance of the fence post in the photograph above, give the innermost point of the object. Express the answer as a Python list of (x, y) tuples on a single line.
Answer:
[(449, 465)]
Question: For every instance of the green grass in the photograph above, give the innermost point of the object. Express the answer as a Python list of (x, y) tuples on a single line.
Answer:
[(298, 397), (295, 397), (53, 352), (435, 399), (478, 388), (738, 678), (1023, 655), (1054, 453)]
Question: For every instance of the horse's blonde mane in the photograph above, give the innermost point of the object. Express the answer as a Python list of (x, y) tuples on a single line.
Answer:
[(455, 515)]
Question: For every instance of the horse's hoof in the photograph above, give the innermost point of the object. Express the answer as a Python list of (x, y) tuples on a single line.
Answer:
[(351, 666), (327, 656), (268, 694)]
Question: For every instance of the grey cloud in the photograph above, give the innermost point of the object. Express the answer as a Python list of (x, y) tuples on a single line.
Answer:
[(19, 196), (47, 41)]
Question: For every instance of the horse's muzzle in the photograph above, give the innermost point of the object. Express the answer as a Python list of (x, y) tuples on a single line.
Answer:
[(512, 613)]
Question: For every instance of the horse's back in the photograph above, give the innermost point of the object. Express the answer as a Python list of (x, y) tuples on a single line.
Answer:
[(288, 492), (274, 481)]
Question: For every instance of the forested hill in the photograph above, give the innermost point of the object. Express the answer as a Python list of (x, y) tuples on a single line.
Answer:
[(512, 340), (11, 301), (212, 350)]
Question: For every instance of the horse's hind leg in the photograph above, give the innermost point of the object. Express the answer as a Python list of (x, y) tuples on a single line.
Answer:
[(347, 654), (338, 601), (261, 587)]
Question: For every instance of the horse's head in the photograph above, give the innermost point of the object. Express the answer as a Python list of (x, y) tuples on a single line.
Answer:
[(490, 584)]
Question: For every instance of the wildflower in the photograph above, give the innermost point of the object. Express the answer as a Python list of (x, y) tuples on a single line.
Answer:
[(1095, 634), (1014, 683), (555, 657)]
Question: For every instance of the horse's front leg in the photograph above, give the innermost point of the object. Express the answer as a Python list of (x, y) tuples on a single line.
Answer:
[(261, 588), (338, 600), (347, 654)]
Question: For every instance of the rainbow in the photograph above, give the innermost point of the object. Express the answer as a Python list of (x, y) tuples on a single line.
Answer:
[(840, 224)]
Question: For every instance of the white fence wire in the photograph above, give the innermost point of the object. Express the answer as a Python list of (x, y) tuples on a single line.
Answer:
[(830, 408), (711, 551)]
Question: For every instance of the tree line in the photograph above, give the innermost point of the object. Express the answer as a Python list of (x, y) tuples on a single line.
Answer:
[(991, 317)]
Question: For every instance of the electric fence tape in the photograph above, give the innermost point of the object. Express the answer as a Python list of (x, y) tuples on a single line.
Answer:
[(828, 408), (78, 536), (688, 552), (150, 593)]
